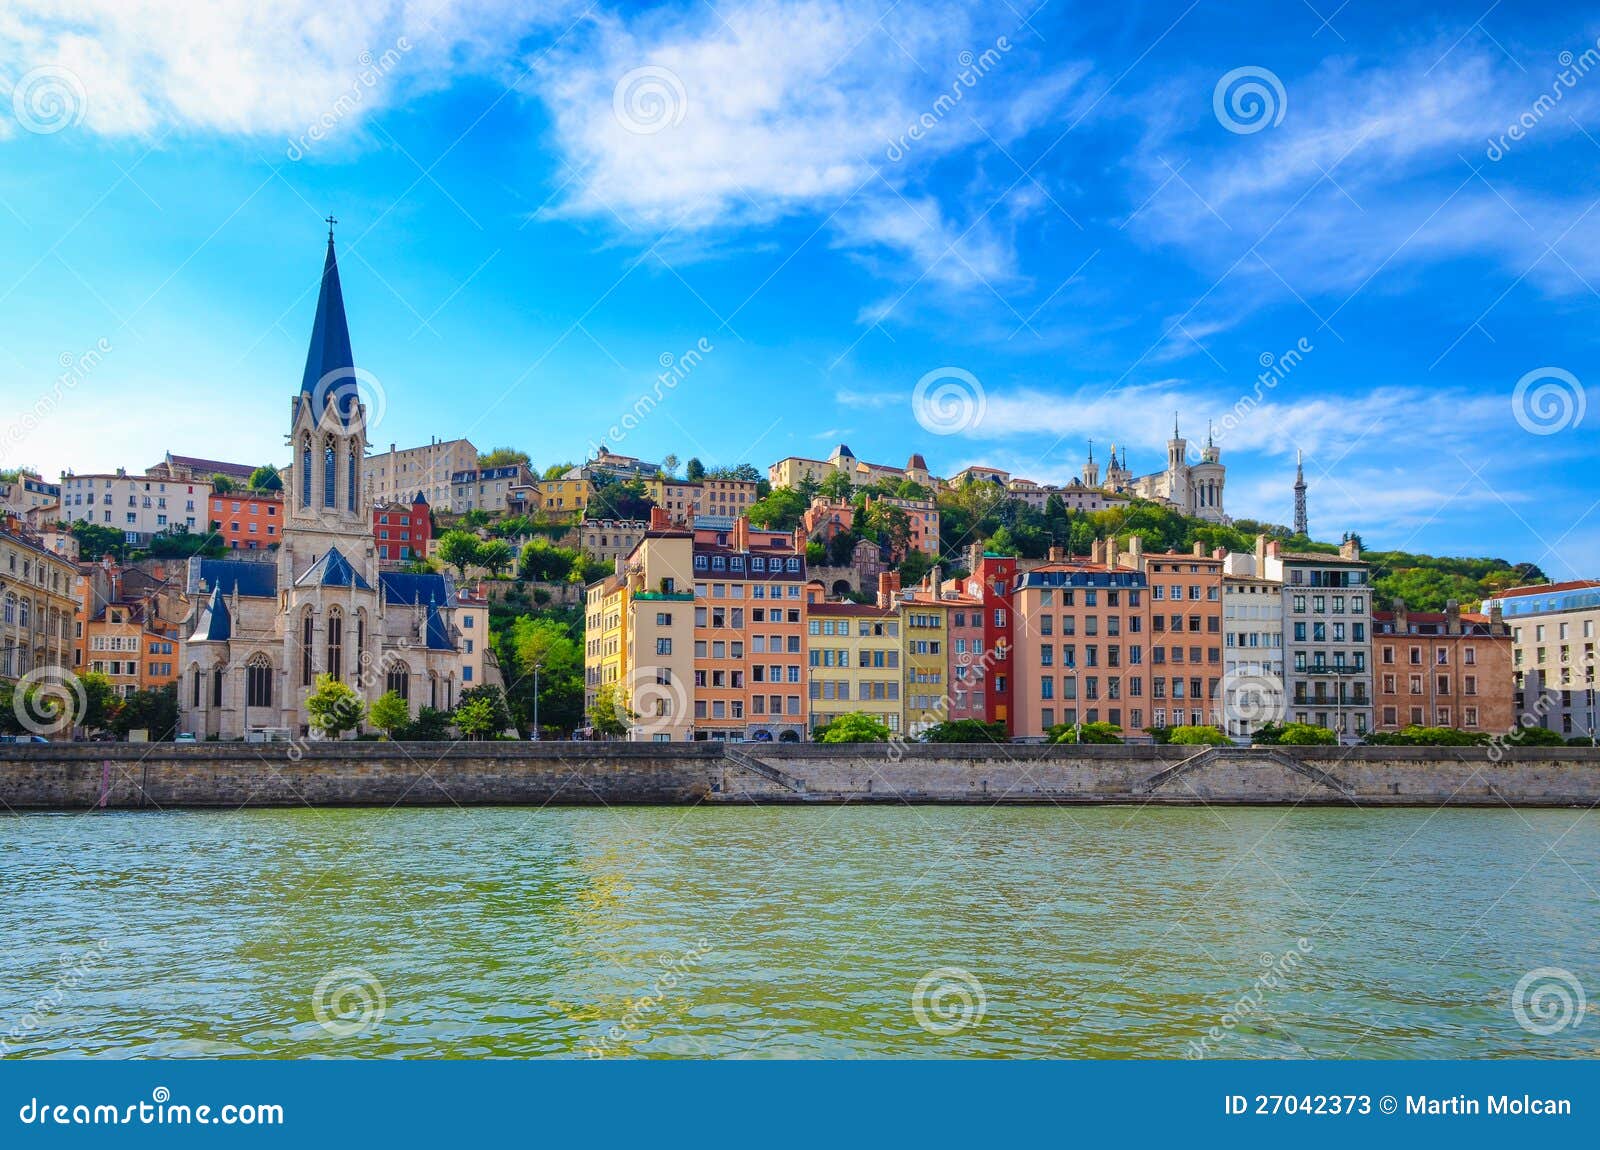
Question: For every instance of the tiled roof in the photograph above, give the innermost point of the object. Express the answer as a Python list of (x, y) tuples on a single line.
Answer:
[(212, 466), (1547, 588), (332, 570), (414, 590), (252, 580)]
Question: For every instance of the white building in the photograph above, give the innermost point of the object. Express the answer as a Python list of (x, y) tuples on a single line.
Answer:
[(137, 505)]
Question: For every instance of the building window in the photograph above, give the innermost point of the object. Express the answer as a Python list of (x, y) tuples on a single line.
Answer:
[(329, 475), (258, 683), (398, 680), (305, 475), (307, 638)]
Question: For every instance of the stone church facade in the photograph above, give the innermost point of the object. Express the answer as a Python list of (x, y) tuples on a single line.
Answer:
[(260, 632)]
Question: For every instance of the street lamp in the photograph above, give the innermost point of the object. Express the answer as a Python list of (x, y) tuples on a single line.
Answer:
[(536, 733)]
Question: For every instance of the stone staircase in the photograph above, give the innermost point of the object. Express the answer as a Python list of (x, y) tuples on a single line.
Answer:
[(767, 779), (1286, 761)]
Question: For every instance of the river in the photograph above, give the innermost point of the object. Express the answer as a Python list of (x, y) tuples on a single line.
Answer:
[(1104, 932)]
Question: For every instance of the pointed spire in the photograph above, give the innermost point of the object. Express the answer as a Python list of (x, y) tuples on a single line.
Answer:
[(1091, 451), (1209, 443), (1175, 434), (330, 375)]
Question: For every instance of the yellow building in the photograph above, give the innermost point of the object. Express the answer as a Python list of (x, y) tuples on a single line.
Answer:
[(855, 657), (36, 625), (925, 625), (565, 496), (603, 649)]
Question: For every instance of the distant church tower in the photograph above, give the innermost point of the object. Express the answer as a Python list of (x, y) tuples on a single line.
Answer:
[(1091, 473), (1300, 494)]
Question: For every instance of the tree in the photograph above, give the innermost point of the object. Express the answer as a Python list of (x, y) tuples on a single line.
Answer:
[(459, 549), (390, 713), (475, 518), (836, 488), (476, 717), (965, 731), (608, 715), (1535, 737), (548, 645), (266, 478), (779, 511), (334, 708), (430, 726), (1419, 736), (853, 728), (1294, 735), (494, 554), (669, 465), (1200, 736), (1085, 733), (543, 563), (694, 471), (499, 712), (222, 484), (99, 701), (503, 457), (95, 541), (154, 710)]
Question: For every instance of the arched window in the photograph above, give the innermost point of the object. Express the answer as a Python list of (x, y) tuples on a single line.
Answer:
[(361, 641), (433, 690), (23, 612), (308, 637), (330, 477), (398, 680), (350, 489), (335, 644), (217, 678), (305, 473), (258, 682)]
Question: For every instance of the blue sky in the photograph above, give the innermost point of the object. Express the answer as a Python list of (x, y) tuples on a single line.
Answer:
[(1130, 209)]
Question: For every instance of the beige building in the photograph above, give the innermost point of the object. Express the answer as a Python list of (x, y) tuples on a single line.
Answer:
[(1253, 686), (36, 605), (1553, 628), (137, 505), (610, 539), (29, 496), (399, 474), (492, 489), (795, 470)]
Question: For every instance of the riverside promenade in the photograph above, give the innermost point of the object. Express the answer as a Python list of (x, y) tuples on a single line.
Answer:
[(70, 776)]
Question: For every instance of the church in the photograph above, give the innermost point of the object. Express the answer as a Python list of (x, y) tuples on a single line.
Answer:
[(1194, 489), (260, 632)]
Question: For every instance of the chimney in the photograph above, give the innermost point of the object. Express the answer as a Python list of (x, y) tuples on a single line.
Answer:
[(1219, 553), (1497, 622), (1261, 557), (1452, 617), (888, 587), (741, 534), (1057, 555), (658, 519), (1097, 553), (935, 579), (1349, 549), (1111, 551), (1199, 549), (1136, 552), (974, 557), (1399, 616), (1273, 549)]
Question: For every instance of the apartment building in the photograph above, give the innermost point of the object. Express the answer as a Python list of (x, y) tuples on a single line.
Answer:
[(398, 474), (1553, 628), (127, 621), (402, 531), (922, 521), (731, 497), (1443, 669), (750, 635), (488, 488), (191, 468), (1186, 664), (247, 520), (610, 539), (36, 603), (854, 651), (29, 496), (1327, 645), (1079, 646), (1253, 685), (795, 470), (137, 505)]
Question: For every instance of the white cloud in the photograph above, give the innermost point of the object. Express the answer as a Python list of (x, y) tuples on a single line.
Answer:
[(242, 67)]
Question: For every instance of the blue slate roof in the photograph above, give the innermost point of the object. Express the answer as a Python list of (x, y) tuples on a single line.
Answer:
[(438, 634), (252, 580), (332, 570), (214, 625), (416, 590), (330, 375)]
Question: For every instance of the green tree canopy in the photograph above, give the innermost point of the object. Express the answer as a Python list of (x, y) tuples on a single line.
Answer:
[(334, 708), (459, 549), (853, 728), (503, 457), (965, 731), (390, 713), (266, 478)]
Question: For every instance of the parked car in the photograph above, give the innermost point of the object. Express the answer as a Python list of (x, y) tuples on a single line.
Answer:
[(185, 737), (23, 739)]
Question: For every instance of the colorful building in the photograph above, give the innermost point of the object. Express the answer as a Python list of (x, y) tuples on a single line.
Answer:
[(1443, 669), (247, 520), (854, 654), (1553, 628), (36, 603), (402, 531), (137, 505)]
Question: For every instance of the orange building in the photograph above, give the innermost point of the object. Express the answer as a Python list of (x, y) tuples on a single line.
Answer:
[(749, 634), (247, 520), (126, 626), (1079, 646), (1186, 666), (1443, 669)]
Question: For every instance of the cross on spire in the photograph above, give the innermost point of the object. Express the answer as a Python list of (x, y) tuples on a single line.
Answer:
[(330, 221)]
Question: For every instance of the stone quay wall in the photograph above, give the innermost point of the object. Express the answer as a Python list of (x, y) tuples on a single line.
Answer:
[(67, 776)]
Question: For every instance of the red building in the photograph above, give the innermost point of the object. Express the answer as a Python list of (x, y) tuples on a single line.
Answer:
[(990, 583), (402, 530), (247, 520)]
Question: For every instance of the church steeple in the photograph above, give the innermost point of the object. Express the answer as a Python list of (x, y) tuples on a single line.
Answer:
[(330, 375), (1091, 473)]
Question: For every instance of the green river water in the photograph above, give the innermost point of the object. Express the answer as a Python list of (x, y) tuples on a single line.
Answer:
[(818, 932)]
